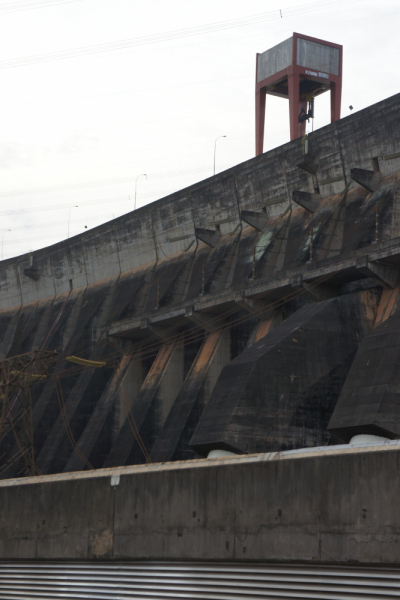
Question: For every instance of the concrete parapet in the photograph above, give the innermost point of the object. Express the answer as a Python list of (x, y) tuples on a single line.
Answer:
[(330, 505)]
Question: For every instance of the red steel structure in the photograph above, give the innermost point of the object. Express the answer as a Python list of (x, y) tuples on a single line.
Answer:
[(298, 69)]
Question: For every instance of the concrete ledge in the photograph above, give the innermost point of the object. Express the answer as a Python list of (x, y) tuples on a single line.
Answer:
[(205, 463)]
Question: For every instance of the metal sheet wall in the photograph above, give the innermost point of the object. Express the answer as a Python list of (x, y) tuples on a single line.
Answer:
[(219, 581), (317, 56)]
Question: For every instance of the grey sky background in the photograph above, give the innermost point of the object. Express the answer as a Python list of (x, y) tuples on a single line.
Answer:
[(79, 130)]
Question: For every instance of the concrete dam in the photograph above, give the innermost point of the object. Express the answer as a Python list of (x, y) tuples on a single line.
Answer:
[(254, 313)]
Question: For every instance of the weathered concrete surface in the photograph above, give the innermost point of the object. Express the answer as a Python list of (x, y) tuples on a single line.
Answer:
[(160, 386), (370, 399), (168, 226), (330, 505), (139, 283), (281, 392), (187, 407)]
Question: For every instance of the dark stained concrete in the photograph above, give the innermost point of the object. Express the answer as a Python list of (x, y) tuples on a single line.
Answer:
[(281, 392), (333, 505), (370, 398)]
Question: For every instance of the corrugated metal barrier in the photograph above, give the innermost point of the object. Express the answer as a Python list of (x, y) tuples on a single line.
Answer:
[(180, 580)]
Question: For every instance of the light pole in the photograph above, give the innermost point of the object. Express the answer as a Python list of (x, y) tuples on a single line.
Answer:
[(69, 216), (2, 241), (142, 175), (215, 147)]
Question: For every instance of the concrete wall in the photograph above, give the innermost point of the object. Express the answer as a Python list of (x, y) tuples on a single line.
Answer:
[(331, 505)]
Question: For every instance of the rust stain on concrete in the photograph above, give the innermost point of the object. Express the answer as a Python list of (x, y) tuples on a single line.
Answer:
[(101, 544), (207, 352), (386, 304), (263, 329)]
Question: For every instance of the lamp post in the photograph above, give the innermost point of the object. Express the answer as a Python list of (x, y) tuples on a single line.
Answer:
[(215, 147), (2, 241), (142, 175), (69, 216)]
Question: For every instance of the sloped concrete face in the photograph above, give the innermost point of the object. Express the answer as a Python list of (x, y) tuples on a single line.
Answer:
[(161, 384), (370, 399), (170, 444), (280, 393)]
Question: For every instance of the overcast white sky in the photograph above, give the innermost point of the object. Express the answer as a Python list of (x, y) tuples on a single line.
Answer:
[(78, 131)]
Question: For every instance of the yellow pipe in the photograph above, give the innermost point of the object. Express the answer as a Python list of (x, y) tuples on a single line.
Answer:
[(86, 363)]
